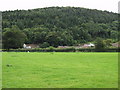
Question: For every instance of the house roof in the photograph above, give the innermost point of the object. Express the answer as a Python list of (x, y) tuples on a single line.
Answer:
[(116, 44), (32, 45)]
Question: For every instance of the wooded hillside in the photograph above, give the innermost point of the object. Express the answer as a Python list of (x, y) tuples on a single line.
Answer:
[(62, 25)]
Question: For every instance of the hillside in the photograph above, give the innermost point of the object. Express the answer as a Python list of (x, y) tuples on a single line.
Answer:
[(62, 25)]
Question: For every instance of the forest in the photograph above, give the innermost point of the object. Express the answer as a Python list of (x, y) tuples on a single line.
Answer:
[(59, 26)]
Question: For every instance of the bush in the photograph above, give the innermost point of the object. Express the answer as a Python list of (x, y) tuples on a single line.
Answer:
[(100, 45), (50, 49), (44, 45), (65, 49), (108, 42)]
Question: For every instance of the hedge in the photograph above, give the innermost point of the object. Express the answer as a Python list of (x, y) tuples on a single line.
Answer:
[(62, 50)]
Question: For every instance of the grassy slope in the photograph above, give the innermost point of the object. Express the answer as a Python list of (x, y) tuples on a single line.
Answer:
[(60, 70)]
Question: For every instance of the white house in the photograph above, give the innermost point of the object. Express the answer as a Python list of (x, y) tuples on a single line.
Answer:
[(88, 45), (25, 46), (28, 46), (91, 45)]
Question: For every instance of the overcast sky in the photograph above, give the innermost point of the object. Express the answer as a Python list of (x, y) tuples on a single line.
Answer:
[(109, 5)]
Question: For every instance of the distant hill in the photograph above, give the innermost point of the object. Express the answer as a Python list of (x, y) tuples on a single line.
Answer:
[(62, 25)]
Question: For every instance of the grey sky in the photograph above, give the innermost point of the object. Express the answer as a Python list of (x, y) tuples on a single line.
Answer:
[(109, 5)]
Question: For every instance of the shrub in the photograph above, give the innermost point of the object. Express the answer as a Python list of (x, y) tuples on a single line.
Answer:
[(100, 45), (108, 42), (44, 45)]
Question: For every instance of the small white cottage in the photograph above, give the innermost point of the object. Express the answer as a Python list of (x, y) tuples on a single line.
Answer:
[(88, 45), (25, 46), (91, 45), (28, 46)]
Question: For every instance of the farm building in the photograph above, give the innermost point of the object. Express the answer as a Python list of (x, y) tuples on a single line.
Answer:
[(28, 46), (80, 46), (116, 44)]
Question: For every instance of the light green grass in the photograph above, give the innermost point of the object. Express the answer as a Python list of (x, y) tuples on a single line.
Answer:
[(0, 70), (60, 70)]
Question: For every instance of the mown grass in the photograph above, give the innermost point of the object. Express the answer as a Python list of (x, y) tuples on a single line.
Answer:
[(60, 70), (0, 70)]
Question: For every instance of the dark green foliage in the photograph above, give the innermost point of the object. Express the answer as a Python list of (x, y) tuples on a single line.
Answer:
[(71, 49), (108, 42), (63, 26), (50, 49), (13, 38), (100, 45), (44, 45)]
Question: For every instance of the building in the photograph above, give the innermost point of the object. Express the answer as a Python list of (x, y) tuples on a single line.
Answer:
[(29, 46), (88, 45), (115, 44)]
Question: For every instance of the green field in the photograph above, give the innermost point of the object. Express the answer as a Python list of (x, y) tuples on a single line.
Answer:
[(60, 70), (0, 70)]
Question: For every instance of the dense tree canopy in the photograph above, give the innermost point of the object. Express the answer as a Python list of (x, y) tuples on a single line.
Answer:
[(62, 25), (13, 38), (100, 45)]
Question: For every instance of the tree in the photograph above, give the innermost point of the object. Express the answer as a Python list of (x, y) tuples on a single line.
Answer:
[(100, 45), (108, 42), (63, 25), (44, 45), (13, 38)]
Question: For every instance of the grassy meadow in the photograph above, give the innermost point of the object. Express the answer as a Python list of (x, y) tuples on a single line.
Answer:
[(60, 70), (0, 70)]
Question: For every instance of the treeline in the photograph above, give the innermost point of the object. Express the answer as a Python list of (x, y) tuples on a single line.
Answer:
[(62, 26)]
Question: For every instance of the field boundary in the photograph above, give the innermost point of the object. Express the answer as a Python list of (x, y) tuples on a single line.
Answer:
[(61, 50)]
